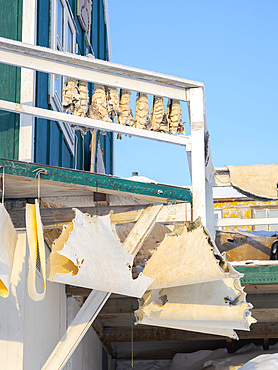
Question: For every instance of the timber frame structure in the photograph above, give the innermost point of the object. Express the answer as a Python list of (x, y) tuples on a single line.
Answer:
[(158, 204)]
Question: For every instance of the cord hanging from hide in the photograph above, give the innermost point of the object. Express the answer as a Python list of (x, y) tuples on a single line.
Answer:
[(40, 171)]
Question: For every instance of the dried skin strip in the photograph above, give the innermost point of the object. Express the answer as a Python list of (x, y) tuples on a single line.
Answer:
[(126, 117), (142, 117), (35, 238), (98, 108), (158, 112)]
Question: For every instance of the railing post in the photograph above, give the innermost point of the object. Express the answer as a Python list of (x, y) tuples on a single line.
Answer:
[(200, 158)]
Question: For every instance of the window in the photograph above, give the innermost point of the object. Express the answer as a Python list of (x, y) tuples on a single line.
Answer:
[(266, 213), (63, 36)]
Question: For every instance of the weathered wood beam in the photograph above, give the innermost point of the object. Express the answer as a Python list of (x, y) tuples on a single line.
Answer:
[(260, 289), (121, 214), (153, 334), (93, 123)]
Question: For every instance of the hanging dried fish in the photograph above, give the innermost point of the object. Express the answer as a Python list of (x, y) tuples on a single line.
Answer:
[(174, 115), (70, 95), (81, 105), (158, 113), (113, 102), (126, 118), (142, 117), (98, 108)]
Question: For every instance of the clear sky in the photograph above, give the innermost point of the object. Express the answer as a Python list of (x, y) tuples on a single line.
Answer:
[(231, 46)]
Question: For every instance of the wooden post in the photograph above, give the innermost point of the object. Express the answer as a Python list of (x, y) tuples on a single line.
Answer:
[(200, 161)]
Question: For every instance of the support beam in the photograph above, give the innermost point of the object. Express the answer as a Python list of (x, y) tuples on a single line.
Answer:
[(200, 161), (76, 331), (92, 123), (93, 70), (158, 334), (96, 300), (53, 217)]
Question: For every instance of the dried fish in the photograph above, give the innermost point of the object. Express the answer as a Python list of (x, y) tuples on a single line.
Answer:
[(70, 95), (126, 118), (174, 115), (75, 97), (142, 116), (113, 102), (98, 108)]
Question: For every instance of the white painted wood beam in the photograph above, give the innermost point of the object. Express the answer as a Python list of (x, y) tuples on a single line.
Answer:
[(27, 84), (92, 123), (229, 222), (76, 331), (93, 70)]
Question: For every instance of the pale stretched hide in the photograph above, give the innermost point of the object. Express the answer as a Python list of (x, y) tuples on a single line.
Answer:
[(202, 292), (35, 239), (257, 180), (187, 257), (88, 253), (8, 238), (216, 307)]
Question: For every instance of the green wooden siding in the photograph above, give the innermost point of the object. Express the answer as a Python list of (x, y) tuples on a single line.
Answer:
[(50, 144), (10, 27)]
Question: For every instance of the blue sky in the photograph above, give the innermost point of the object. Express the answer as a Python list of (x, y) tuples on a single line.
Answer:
[(231, 46)]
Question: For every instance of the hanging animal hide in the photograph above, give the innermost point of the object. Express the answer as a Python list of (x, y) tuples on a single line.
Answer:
[(8, 239), (88, 253), (142, 118), (81, 105), (98, 108), (35, 239), (194, 288), (126, 117)]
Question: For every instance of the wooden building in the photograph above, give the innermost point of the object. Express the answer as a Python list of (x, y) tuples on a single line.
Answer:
[(79, 27), (73, 327)]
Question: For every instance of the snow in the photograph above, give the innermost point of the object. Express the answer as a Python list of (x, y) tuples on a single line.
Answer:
[(249, 357), (226, 192), (141, 179)]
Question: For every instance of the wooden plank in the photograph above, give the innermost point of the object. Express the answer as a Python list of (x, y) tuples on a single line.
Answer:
[(93, 123), (260, 288), (141, 229), (265, 315), (94, 70), (263, 301), (153, 334)]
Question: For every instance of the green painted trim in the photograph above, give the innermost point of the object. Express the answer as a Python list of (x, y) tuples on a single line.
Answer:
[(69, 176), (259, 274)]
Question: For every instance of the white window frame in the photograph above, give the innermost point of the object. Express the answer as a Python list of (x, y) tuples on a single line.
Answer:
[(55, 101), (267, 216)]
